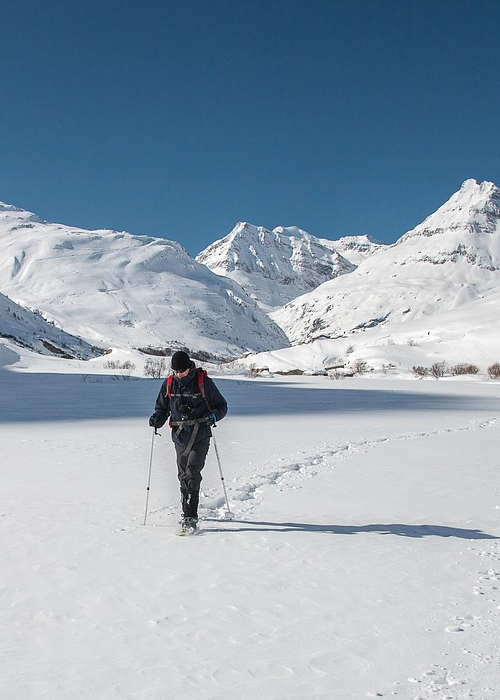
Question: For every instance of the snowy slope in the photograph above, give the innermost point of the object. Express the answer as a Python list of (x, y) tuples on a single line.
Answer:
[(467, 334), (274, 266), (118, 289), (448, 261), (363, 561), (355, 248), (28, 329)]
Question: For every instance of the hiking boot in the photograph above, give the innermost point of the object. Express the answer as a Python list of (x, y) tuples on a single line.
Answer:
[(189, 525)]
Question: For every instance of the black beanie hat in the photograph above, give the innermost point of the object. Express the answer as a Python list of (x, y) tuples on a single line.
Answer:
[(180, 361)]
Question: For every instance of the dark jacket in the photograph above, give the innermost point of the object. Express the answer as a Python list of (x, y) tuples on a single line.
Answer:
[(187, 405)]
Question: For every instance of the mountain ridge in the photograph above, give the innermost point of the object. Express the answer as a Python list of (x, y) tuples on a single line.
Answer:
[(276, 266), (451, 258), (118, 289)]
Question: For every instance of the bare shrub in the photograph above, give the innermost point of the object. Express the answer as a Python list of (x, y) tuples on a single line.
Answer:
[(464, 368), (155, 368), (438, 370), (360, 367), (420, 371), (494, 371), (253, 371), (116, 364)]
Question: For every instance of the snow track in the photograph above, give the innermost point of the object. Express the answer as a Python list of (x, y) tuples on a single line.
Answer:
[(245, 491)]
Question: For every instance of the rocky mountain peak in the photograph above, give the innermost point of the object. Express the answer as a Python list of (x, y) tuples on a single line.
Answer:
[(450, 259), (274, 266), (474, 207)]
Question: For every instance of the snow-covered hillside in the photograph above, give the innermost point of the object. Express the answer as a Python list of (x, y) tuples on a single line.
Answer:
[(28, 329), (449, 261), (469, 334), (276, 266), (116, 289)]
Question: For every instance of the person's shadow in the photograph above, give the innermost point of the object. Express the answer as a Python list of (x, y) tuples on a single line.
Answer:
[(398, 529)]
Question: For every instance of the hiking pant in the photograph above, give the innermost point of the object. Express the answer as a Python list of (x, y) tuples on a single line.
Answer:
[(189, 468)]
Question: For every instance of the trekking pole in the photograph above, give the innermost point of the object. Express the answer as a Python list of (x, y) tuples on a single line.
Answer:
[(228, 514), (149, 476)]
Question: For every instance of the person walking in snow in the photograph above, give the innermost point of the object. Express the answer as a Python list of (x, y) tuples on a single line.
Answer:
[(194, 405)]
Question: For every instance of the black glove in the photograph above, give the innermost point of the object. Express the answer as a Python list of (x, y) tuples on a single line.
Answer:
[(155, 421), (210, 419)]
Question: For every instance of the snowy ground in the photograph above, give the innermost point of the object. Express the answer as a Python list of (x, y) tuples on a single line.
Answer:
[(363, 561)]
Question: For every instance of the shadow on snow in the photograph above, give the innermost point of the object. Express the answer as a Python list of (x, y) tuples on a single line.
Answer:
[(401, 530), (55, 397)]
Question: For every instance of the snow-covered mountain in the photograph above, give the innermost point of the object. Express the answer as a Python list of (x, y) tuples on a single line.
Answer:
[(355, 248), (28, 329), (276, 266), (448, 261), (439, 283), (121, 290)]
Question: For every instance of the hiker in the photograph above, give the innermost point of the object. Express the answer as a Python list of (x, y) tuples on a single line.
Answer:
[(194, 404)]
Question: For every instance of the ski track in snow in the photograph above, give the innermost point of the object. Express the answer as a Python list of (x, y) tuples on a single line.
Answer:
[(244, 498), (439, 682), (456, 681)]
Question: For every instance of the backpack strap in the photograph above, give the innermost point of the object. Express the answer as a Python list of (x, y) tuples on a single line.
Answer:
[(202, 373)]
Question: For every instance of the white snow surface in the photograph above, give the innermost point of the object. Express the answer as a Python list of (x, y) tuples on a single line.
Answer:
[(363, 560), (116, 289)]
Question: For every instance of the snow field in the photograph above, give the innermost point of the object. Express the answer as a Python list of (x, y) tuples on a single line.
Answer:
[(363, 560)]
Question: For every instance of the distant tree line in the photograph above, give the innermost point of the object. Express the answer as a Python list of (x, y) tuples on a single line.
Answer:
[(441, 369)]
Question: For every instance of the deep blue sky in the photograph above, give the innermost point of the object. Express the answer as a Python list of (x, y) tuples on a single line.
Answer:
[(179, 118)]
